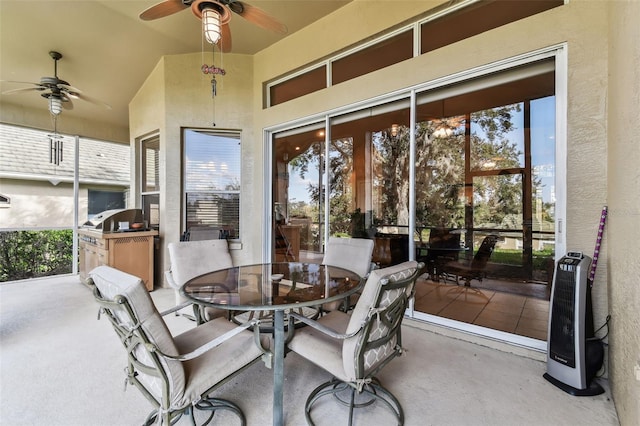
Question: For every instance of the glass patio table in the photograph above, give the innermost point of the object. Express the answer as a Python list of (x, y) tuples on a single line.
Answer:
[(276, 288)]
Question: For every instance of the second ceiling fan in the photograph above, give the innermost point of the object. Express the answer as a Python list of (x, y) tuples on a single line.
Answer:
[(215, 16)]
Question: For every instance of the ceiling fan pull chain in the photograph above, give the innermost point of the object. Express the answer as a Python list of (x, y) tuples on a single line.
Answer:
[(213, 102), (214, 83)]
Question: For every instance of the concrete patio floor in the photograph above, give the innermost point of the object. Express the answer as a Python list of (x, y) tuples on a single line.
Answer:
[(59, 365)]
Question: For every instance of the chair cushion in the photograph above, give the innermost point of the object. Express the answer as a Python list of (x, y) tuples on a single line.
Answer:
[(367, 300), (217, 364), (322, 350), (353, 254), (338, 356), (192, 258), (111, 283)]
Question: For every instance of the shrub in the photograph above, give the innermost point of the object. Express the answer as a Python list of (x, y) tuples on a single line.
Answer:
[(31, 254)]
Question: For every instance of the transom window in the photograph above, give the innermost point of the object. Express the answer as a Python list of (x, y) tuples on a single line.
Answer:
[(445, 25)]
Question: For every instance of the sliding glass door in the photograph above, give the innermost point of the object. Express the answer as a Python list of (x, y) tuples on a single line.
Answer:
[(298, 186), (472, 158), (369, 178)]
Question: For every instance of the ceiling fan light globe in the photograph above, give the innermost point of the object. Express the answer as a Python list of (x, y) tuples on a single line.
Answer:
[(55, 105), (211, 25)]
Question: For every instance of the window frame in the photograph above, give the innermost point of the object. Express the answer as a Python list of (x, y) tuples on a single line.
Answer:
[(144, 193), (103, 193), (229, 133), (558, 52)]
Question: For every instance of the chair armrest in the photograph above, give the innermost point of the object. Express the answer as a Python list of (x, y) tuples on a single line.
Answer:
[(176, 308), (207, 346), (322, 328), (169, 276)]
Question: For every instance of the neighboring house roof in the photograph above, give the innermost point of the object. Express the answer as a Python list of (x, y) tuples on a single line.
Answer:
[(25, 154)]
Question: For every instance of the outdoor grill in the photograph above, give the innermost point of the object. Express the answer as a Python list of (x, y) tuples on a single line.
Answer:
[(103, 241), (109, 220)]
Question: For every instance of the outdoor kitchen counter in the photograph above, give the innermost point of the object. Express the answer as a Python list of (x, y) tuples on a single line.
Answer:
[(129, 251)]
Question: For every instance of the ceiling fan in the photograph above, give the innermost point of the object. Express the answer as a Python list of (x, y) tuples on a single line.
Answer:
[(215, 16), (57, 91)]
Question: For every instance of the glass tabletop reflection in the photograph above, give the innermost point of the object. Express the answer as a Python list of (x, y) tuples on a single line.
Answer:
[(272, 286)]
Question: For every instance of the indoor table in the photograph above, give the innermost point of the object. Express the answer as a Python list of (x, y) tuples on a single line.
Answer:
[(435, 256), (275, 288)]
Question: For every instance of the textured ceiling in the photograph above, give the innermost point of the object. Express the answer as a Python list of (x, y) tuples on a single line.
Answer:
[(108, 51)]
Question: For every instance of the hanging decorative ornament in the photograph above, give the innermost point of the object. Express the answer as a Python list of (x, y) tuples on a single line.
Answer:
[(206, 69), (55, 145), (214, 92), (213, 70)]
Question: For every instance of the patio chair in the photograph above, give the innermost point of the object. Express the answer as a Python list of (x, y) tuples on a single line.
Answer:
[(176, 374), (200, 233), (353, 254), (190, 259), (355, 347), (475, 269)]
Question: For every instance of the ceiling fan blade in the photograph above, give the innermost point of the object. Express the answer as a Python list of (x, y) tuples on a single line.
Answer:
[(68, 88), (24, 89), (19, 82), (160, 10), (89, 99), (259, 17), (225, 38), (67, 104)]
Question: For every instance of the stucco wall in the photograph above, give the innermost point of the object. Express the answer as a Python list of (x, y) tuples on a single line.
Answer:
[(37, 204), (177, 95), (623, 230), (147, 108)]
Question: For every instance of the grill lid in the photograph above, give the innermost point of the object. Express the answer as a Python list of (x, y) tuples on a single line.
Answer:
[(108, 220)]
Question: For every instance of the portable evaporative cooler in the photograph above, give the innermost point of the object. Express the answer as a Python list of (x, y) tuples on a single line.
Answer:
[(574, 356)]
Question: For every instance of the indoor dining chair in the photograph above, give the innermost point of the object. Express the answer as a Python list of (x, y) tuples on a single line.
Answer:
[(475, 269), (176, 374), (355, 347)]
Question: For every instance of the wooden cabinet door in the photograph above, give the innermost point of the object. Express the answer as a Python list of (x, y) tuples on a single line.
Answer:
[(89, 257), (133, 255)]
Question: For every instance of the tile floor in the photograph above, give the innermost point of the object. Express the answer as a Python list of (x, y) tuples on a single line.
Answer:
[(525, 315)]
